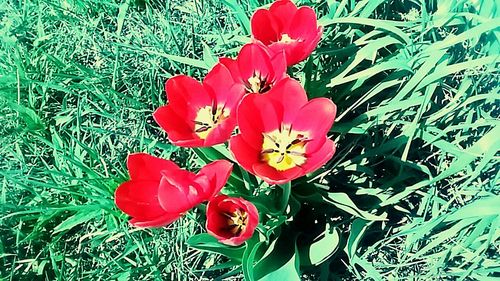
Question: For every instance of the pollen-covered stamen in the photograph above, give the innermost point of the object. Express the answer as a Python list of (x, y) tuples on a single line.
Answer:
[(208, 118), (236, 221), (258, 84), (201, 126), (284, 149), (286, 39)]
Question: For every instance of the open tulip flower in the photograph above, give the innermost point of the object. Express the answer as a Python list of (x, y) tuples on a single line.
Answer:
[(255, 69), (282, 135), (159, 192), (231, 220), (197, 114), (286, 27)]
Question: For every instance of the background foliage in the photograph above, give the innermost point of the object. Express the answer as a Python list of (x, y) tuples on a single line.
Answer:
[(413, 188)]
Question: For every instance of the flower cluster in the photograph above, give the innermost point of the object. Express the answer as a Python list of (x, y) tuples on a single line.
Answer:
[(274, 131)]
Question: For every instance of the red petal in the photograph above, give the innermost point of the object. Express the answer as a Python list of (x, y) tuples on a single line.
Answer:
[(235, 94), (291, 95), (259, 113), (177, 127), (273, 176), (190, 143), (232, 66), (158, 222), (227, 91), (264, 27), (216, 223), (313, 43), (283, 12), (304, 25), (320, 157), (185, 91), (221, 133), (293, 51), (179, 198), (316, 117), (254, 59), (139, 199), (142, 166), (298, 51), (243, 153), (250, 123), (278, 61), (178, 177), (217, 173)]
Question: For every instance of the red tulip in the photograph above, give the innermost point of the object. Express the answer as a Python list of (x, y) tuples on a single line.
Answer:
[(231, 220), (159, 192), (282, 135), (255, 69), (200, 114), (286, 27)]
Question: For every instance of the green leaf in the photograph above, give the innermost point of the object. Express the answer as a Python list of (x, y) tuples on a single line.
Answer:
[(281, 260), (239, 13), (322, 248), (481, 207), (289, 271), (358, 228), (208, 57), (249, 258), (285, 196), (80, 217), (207, 242), (343, 202)]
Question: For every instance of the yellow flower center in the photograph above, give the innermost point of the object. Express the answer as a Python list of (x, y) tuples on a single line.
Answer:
[(286, 39), (258, 84), (208, 118), (237, 221), (284, 149)]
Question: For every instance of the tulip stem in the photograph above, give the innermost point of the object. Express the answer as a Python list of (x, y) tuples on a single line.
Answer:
[(286, 196)]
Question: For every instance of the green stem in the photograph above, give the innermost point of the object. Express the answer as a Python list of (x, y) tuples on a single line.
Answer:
[(287, 187)]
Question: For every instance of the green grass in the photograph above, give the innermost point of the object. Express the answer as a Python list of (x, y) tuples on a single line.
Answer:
[(417, 134)]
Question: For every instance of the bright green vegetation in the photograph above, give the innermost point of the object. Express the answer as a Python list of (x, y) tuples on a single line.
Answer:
[(417, 131)]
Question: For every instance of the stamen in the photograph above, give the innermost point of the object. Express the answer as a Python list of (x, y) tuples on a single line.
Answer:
[(207, 118), (236, 221), (284, 148), (273, 140), (295, 153), (200, 123), (202, 129), (258, 84), (270, 150), (281, 158), (285, 38)]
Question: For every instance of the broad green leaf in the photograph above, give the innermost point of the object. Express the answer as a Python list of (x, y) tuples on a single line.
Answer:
[(481, 207), (249, 256), (322, 248), (281, 261), (289, 271), (358, 228), (343, 202), (207, 242)]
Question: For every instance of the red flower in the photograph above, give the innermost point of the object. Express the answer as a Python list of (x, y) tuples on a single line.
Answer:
[(282, 135), (159, 192), (231, 220), (200, 114), (284, 27), (255, 69)]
